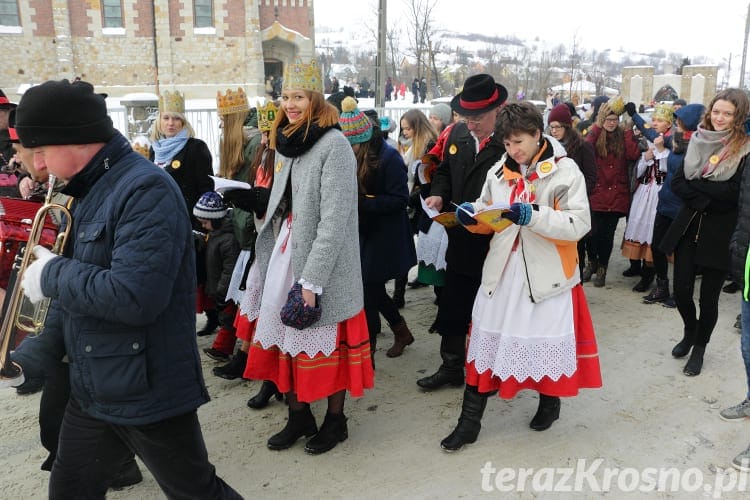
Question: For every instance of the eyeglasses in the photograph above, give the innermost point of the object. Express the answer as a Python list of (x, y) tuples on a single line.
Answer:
[(475, 120), (555, 127), (612, 120)]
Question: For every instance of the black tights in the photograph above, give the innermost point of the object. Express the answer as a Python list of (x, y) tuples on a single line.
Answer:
[(335, 402), (603, 226)]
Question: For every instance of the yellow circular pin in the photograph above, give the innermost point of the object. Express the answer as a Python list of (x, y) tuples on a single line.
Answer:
[(453, 149), (714, 159), (176, 164), (646, 125), (545, 167), (278, 167)]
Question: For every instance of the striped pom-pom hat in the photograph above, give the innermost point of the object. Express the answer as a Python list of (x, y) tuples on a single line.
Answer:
[(354, 123)]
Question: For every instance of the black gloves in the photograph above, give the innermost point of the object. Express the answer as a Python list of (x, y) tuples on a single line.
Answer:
[(630, 108), (249, 200)]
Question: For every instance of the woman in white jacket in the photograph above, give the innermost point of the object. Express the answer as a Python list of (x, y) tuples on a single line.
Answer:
[(531, 328)]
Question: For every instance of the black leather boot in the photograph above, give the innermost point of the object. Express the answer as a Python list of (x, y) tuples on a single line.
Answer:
[(332, 432), (548, 412), (212, 323), (469, 423), (300, 423), (234, 369), (659, 294), (634, 269), (695, 362), (267, 390), (451, 371), (682, 348), (647, 277)]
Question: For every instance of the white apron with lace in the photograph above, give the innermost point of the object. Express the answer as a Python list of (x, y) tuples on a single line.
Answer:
[(234, 293), (270, 331), (514, 337), (431, 246)]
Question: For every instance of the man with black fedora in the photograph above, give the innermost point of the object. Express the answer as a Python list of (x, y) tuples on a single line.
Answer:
[(6, 146), (470, 151), (122, 304)]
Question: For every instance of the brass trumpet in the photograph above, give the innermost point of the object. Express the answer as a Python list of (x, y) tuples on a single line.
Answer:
[(20, 313)]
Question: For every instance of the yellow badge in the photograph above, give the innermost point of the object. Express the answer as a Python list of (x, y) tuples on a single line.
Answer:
[(453, 149), (176, 164), (646, 125), (278, 167), (545, 167), (714, 159)]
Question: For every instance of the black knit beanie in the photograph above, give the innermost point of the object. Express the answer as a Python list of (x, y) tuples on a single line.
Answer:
[(60, 112)]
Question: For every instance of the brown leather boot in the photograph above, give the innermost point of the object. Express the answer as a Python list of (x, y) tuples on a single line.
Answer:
[(403, 338)]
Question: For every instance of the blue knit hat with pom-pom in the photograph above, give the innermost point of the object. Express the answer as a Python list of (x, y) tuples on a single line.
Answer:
[(210, 206)]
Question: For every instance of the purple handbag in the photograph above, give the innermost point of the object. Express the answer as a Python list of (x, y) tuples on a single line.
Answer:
[(296, 313)]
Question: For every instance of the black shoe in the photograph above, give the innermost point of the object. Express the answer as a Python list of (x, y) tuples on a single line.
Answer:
[(216, 354), (647, 277), (546, 414), (128, 475), (731, 287), (416, 284), (31, 385), (682, 348), (695, 363), (660, 293), (444, 376), (469, 422), (212, 323), (267, 390), (300, 423), (633, 270), (669, 302), (234, 369), (332, 432)]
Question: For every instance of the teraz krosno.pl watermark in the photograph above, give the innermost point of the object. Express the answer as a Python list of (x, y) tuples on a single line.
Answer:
[(591, 476)]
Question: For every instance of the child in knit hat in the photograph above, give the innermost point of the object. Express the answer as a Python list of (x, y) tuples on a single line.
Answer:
[(222, 249)]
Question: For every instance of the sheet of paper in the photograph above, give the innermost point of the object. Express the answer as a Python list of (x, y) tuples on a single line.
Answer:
[(221, 184)]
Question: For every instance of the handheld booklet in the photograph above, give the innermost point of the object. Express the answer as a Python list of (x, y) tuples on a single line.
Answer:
[(491, 217), (447, 219)]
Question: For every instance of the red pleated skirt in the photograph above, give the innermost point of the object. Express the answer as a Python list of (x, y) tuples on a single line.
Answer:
[(587, 374), (244, 328), (349, 366)]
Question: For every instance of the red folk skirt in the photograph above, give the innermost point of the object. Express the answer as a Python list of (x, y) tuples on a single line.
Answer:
[(349, 366), (587, 374)]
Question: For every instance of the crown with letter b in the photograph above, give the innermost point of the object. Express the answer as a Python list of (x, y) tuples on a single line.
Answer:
[(266, 115), (231, 102), (301, 76)]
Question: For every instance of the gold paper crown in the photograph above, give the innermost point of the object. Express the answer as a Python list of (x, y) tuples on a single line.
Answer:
[(172, 102), (141, 148), (266, 115), (663, 112), (616, 105), (299, 75), (231, 102)]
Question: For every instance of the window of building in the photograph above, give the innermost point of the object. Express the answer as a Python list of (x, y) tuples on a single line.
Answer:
[(203, 13), (9, 13), (111, 14)]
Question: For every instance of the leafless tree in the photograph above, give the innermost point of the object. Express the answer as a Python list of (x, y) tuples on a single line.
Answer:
[(420, 30)]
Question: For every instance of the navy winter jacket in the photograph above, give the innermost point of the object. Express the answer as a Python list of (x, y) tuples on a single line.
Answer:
[(123, 296)]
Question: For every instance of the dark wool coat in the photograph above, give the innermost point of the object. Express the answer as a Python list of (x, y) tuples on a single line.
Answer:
[(123, 296), (460, 177), (708, 217), (191, 168), (612, 190), (741, 238), (385, 242), (222, 249)]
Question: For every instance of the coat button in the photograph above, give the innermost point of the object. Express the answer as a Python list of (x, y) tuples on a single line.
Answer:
[(136, 345), (81, 234), (88, 348)]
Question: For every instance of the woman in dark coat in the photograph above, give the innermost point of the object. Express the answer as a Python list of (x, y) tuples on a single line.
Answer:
[(386, 246), (708, 183)]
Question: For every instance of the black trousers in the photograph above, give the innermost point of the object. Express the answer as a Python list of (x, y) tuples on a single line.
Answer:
[(603, 226), (377, 302), (455, 304), (661, 264), (684, 286), (172, 449), (55, 395)]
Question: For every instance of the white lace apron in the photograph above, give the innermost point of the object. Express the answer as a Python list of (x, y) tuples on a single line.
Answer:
[(234, 293), (431, 246), (514, 337), (270, 331)]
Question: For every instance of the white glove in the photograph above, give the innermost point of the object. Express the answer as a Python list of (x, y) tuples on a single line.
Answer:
[(32, 278), (13, 382)]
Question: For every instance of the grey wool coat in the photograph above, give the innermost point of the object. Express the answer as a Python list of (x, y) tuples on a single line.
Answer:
[(325, 240)]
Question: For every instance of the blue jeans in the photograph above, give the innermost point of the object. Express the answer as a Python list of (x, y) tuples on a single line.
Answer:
[(745, 340)]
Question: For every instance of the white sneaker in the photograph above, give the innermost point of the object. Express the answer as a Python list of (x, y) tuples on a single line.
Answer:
[(737, 412), (742, 461)]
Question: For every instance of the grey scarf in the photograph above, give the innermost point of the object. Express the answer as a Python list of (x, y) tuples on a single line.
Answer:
[(709, 158)]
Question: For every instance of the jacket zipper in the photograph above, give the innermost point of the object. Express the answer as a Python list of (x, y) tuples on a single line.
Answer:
[(698, 232), (526, 268)]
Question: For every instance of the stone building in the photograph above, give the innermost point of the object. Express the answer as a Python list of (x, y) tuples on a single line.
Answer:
[(696, 83), (127, 46)]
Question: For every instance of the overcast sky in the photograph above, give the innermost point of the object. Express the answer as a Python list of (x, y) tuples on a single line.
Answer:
[(713, 29)]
